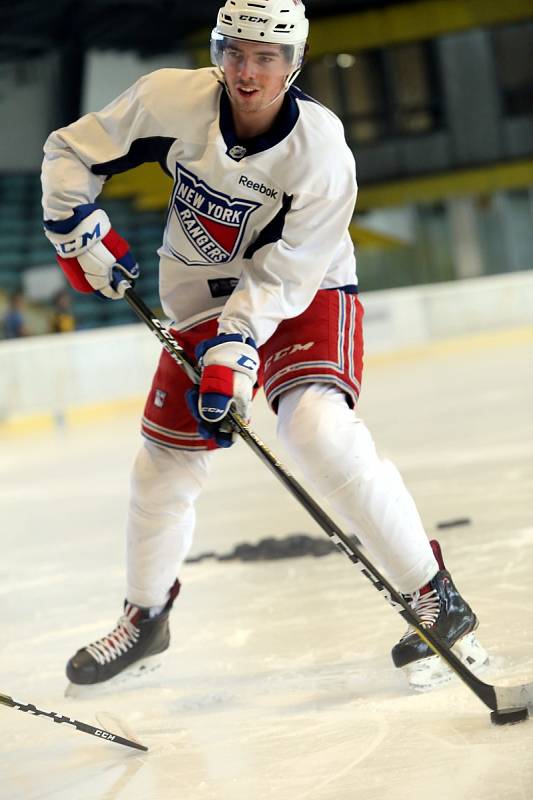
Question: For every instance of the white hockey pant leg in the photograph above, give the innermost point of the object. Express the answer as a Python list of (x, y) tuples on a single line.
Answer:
[(336, 453), (165, 484)]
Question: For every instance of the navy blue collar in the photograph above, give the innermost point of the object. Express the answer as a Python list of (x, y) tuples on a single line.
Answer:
[(237, 148)]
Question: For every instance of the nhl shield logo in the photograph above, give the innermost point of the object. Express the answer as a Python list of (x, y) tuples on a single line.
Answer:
[(205, 226)]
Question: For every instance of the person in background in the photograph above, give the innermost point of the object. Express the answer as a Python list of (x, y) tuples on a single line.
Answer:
[(14, 322), (63, 320)]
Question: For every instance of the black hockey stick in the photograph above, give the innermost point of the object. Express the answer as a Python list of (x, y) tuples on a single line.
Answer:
[(79, 726), (517, 701)]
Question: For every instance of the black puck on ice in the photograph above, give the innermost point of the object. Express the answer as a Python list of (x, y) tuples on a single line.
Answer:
[(454, 523), (508, 716)]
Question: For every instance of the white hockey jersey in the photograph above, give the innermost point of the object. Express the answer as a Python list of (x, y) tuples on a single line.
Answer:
[(254, 228)]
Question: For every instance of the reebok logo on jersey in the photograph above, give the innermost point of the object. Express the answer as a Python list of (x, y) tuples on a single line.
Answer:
[(258, 187), (206, 225)]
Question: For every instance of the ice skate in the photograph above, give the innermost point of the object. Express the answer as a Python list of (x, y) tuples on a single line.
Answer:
[(133, 648), (441, 609)]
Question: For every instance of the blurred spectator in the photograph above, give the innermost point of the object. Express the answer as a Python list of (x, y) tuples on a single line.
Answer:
[(14, 323), (63, 319)]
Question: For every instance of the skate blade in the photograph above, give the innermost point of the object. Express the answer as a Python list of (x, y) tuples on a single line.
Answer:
[(430, 673), (133, 677)]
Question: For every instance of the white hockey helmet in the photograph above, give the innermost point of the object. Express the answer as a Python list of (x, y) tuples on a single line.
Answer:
[(271, 21)]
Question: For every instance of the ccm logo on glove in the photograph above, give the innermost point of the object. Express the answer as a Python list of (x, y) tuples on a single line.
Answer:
[(73, 247), (247, 362), (229, 367), (93, 256)]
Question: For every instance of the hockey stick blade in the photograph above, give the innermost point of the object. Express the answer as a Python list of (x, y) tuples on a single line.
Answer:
[(6, 700), (495, 698)]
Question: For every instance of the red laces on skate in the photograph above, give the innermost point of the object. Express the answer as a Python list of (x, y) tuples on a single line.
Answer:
[(120, 640)]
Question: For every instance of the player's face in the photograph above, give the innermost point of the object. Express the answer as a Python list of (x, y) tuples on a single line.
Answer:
[(255, 74)]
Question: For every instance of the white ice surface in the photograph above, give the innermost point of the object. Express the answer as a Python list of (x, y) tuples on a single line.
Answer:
[(278, 683)]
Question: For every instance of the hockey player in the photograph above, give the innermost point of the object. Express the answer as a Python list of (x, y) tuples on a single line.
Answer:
[(258, 272)]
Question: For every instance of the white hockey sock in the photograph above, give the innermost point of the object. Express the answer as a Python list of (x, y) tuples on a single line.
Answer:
[(336, 453), (164, 487)]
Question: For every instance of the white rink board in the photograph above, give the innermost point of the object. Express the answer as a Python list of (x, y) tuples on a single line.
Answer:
[(54, 374), (278, 684)]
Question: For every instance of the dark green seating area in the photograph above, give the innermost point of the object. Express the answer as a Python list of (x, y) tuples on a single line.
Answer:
[(23, 246)]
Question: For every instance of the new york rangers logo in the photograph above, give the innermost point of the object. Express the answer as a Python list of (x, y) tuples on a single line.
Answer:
[(207, 226)]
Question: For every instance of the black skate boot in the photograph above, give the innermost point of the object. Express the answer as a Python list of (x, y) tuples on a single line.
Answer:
[(133, 641), (441, 609)]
